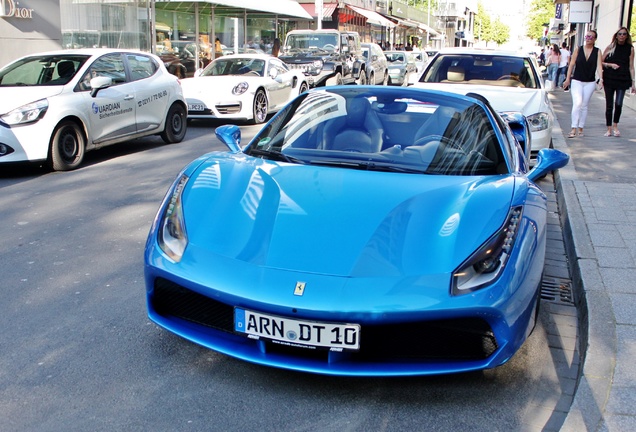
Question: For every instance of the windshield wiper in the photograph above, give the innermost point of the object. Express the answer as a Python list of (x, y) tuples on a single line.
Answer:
[(275, 155), (367, 165)]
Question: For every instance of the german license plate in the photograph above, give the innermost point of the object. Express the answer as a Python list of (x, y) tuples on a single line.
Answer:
[(292, 332), (196, 107)]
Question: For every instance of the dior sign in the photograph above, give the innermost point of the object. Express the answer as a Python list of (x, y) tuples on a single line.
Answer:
[(10, 8)]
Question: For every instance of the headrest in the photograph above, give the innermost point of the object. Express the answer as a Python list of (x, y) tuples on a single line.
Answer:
[(65, 68), (357, 111), (455, 73)]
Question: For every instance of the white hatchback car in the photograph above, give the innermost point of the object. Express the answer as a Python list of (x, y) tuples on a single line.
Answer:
[(509, 80), (57, 105)]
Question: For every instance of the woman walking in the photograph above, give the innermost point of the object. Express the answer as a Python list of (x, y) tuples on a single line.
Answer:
[(554, 58), (618, 76), (585, 65)]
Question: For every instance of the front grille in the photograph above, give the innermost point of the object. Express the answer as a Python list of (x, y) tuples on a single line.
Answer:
[(170, 299), (454, 339), (228, 109)]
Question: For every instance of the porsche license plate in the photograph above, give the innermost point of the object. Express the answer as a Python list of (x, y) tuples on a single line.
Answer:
[(196, 107), (292, 332)]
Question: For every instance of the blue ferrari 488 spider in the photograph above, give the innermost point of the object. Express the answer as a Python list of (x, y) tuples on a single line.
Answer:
[(364, 231)]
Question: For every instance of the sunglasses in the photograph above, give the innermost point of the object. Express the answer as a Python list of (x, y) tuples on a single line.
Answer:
[(622, 34)]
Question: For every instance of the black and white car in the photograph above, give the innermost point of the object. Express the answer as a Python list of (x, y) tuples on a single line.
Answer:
[(55, 106)]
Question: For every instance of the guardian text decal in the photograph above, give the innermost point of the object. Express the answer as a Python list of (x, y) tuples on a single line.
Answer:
[(109, 110), (10, 8)]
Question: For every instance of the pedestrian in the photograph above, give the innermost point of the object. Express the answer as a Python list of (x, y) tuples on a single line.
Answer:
[(618, 76), (585, 66), (553, 60), (218, 49), (276, 47), (563, 65)]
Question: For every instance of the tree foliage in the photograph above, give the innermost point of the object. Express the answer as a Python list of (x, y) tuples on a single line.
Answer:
[(487, 30), (541, 11)]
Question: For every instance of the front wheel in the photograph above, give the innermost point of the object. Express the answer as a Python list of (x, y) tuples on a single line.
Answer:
[(68, 145), (385, 81), (303, 88), (176, 124), (259, 108), (363, 78), (335, 80)]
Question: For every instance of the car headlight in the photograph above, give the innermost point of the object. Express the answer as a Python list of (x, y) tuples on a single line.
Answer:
[(172, 237), (539, 121), (317, 64), (240, 88), (28, 113), (486, 264)]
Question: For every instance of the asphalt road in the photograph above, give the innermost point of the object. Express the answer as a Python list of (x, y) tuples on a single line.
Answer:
[(78, 353)]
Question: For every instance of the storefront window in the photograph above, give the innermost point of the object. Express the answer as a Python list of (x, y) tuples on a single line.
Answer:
[(110, 25)]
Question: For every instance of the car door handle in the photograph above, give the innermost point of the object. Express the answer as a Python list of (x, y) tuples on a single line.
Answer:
[(129, 97)]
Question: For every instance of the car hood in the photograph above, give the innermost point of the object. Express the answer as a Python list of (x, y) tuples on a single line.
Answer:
[(524, 100), (14, 97), (339, 221)]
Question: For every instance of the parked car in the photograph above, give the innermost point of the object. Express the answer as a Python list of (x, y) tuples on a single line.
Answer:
[(509, 80), (365, 230), (376, 64), (57, 105), (246, 87), (401, 67), (421, 60), (181, 58)]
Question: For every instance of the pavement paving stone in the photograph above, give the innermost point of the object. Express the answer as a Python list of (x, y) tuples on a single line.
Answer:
[(597, 196)]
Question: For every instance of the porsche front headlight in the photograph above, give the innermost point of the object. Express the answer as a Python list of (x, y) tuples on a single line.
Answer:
[(485, 265), (240, 88), (172, 237), (539, 121), (28, 113)]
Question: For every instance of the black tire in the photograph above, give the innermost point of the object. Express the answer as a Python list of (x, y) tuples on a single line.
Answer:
[(335, 80), (176, 124), (303, 88), (259, 107), (363, 78), (385, 81), (67, 147)]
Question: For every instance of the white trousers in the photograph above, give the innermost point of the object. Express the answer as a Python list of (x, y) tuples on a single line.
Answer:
[(581, 94)]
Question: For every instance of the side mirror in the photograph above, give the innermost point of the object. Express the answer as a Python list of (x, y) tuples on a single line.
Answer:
[(548, 160), (198, 72), (100, 83), (273, 73), (230, 135)]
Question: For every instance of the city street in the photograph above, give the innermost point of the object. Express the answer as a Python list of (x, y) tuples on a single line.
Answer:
[(78, 353)]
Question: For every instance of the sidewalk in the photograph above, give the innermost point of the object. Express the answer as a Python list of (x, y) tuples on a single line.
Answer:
[(597, 199)]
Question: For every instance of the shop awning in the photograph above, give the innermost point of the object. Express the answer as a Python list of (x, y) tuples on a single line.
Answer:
[(428, 29), (373, 17), (327, 9), (404, 23), (283, 8)]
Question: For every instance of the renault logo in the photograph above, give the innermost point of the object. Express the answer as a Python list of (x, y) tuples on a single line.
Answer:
[(300, 288)]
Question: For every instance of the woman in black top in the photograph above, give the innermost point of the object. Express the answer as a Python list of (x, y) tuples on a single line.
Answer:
[(618, 76), (585, 64)]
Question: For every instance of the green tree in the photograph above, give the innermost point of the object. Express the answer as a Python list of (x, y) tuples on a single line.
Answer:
[(501, 32), (483, 24), (541, 11)]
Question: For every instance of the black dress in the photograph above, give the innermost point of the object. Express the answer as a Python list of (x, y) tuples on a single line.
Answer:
[(620, 78), (585, 68)]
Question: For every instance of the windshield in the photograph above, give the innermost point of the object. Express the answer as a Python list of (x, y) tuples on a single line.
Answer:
[(311, 42), (44, 70), (396, 57), (506, 71), (384, 129), (235, 66)]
